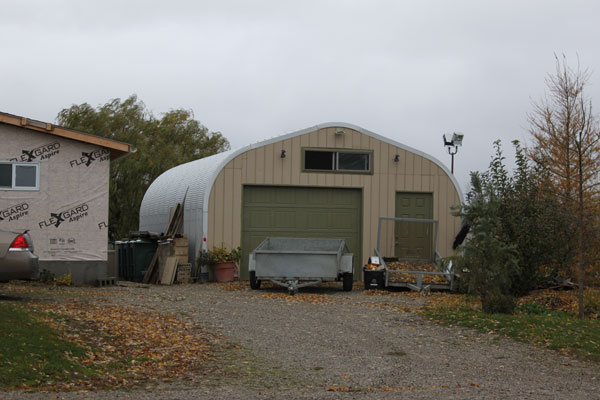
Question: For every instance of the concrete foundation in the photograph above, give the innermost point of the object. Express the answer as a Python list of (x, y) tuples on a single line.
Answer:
[(82, 272)]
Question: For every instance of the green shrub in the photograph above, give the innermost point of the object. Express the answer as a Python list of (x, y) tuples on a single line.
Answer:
[(497, 303), (532, 309), (591, 302), (513, 234)]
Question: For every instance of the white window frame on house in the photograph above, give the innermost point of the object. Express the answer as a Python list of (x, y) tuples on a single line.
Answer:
[(14, 170)]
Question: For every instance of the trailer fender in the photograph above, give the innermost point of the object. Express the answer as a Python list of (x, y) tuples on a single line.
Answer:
[(251, 262), (346, 263)]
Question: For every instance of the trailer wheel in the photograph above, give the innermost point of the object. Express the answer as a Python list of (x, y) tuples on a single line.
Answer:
[(254, 283), (348, 280)]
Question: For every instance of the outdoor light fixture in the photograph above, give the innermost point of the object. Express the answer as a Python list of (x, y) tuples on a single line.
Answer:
[(282, 154), (339, 132), (453, 145), (457, 139), (396, 158)]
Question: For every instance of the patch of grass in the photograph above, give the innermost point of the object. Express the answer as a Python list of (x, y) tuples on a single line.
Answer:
[(532, 323), (32, 354)]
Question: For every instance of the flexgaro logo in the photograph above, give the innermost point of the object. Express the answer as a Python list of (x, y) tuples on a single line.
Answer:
[(88, 158), (13, 213), (73, 215), (39, 153)]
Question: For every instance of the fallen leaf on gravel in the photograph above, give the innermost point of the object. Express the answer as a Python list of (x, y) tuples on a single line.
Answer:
[(299, 297), (338, 389), (233, 286), (392, 389)]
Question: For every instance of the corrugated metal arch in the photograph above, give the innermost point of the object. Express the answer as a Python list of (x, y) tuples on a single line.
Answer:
[(200, 175)]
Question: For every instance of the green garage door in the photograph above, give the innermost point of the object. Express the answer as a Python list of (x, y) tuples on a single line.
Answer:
[(301, 212)]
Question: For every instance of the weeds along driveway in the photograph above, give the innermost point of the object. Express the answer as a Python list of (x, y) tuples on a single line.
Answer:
[(323, 343)]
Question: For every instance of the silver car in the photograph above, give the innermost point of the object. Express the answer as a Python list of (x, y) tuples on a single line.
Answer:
[(17, 260)]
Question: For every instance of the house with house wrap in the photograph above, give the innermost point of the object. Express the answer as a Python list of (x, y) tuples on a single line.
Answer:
[(54, 182)]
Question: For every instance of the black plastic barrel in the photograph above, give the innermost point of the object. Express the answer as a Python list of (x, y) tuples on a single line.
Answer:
[(374, 279)]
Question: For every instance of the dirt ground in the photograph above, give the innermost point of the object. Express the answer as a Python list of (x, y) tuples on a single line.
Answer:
[(324, 343)]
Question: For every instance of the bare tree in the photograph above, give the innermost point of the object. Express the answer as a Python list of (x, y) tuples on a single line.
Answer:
[(566, 138)]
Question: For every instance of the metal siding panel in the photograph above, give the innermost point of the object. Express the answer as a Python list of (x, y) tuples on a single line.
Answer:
[(260, 165), (329, 179), (368, 215), (346, 180), (356, 140), (285, 175), (417, 183), (330, 139), (313, 139), (269, 162), (338, 180), (375, 145), (218, 211), (364, 142), (295, 161), (400, 182), (444, 214), (410, 163), (425, 166), (322, 138), (384, 157), (237, 208), (426, 183), (251, 166), (409, 183), (228, 202), (418, 168), (347, 138)]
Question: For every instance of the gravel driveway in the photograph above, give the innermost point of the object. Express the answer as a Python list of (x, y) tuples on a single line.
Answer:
[(325, 342)]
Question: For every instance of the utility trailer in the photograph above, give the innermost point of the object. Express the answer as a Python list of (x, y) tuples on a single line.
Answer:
[(435, 276), (289, 261)]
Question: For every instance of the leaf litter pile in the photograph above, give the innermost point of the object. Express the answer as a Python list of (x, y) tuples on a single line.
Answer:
[(127, 347), (404, 277)]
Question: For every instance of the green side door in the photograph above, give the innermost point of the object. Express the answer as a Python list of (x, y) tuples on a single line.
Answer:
[(301, 212), (414, 240)]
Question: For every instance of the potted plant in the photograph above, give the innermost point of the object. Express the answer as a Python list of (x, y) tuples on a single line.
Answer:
[(224, 263)]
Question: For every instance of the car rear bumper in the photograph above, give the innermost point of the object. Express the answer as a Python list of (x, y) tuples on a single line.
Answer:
[(19, 265)]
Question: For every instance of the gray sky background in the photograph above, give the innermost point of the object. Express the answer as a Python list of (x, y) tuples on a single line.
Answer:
[(408, 70)]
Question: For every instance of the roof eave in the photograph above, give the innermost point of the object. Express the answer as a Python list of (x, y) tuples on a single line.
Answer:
[(117, 149)]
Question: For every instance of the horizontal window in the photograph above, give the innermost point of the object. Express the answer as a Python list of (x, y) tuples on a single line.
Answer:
[(19, 176), (342, 161)]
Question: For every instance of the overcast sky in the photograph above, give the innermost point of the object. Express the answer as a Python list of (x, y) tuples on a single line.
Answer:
[(407, 70)]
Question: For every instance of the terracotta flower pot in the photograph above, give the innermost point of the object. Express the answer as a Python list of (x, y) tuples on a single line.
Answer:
[(224, 271)]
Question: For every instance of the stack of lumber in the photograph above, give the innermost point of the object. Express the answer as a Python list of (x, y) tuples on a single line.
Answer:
[(172, 251), (184, 273), (181, 249)]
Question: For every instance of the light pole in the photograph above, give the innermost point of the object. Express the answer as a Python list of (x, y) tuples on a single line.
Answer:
[(455, 142)]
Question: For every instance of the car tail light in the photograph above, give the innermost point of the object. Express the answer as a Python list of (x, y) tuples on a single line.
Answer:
[(19, 243)]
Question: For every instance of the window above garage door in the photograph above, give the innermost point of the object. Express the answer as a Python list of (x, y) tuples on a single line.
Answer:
[(333, 160)]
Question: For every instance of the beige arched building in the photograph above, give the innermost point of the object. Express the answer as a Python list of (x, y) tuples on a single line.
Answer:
[(330, 180)]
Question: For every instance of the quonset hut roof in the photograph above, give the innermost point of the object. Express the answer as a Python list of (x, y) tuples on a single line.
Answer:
[(197, 178)]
